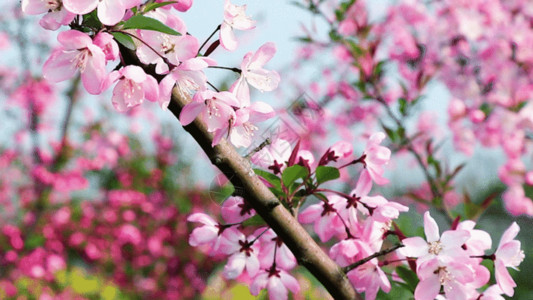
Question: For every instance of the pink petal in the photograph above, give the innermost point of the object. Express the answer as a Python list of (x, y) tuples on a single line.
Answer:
[(503, 278), (227, 37), (202, 235), (134, 73), (80, 7), (234, 266), (33, 7), (414, 247), (263, 80), (252, 265), (259, 283), (262, 56), (59, 66), (110, 12), (428, 289), (94, 74), (261, 111), (454, 238), (290, 282), (151, 89), (364, 184), (310, 214), (276, 289), (202, 218), (186, 47), (190, 112), (510, 233), (242, 91), (74, 40), (431, 229)]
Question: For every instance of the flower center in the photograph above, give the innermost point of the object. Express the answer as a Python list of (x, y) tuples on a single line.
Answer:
[(212, 109), (435, 247), (53, 5), (80, 60), (167, 46)]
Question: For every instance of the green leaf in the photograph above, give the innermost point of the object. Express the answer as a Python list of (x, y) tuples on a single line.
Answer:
[(254, 221), (271, 178), (33, 241), (153, 6), (292, 173), (403, 106), (408, 276), (146, 23), (124, 39), (326, 173)]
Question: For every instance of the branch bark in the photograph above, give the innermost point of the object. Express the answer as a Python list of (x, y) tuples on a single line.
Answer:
[(239, 171)]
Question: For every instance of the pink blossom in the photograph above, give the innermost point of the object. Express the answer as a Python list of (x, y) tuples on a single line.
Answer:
[(219, 238), (215, 109), (276, 281), (132, 88), (325, 216), (110, 12), (77, 51), (56, 14), (253, 73), (188, 77), (508, 254), (235, 210), (273, 156), (108, 44), (242, 129), (246, 257), (376, 157), (270, 244), (446, 247), (234, 18)]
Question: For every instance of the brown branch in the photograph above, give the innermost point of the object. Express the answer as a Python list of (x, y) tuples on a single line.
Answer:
[(239, 171), (369, 258), (249, 186)]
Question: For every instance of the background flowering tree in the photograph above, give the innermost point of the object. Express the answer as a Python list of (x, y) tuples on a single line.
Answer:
[(92, 210)]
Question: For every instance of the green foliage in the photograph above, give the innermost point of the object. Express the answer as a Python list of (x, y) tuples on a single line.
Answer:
[(293, 173), (146, 23), (326, 173), (124, 39)]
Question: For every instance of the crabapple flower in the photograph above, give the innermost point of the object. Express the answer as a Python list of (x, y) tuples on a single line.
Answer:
[(375, 157), (453, 277), (270, 244), (110, 12), (77, 51), (276, 281), (188, 77), (242, 129), (56, 14), (446, 247), (253, 73), (234, 18), (235, 210), (220, 238), (132, 88), (508, 254), (273, 156), (108, 44), (325, 215), (245, 257), (215, 109)]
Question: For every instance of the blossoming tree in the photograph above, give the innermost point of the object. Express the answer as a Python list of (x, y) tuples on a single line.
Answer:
[(372, 85)]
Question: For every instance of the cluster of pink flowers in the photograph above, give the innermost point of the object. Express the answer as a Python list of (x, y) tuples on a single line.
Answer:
[(453, 261), (176, 57), (359, 227)]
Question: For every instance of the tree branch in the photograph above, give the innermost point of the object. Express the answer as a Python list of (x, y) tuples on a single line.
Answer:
[(239, 171)]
